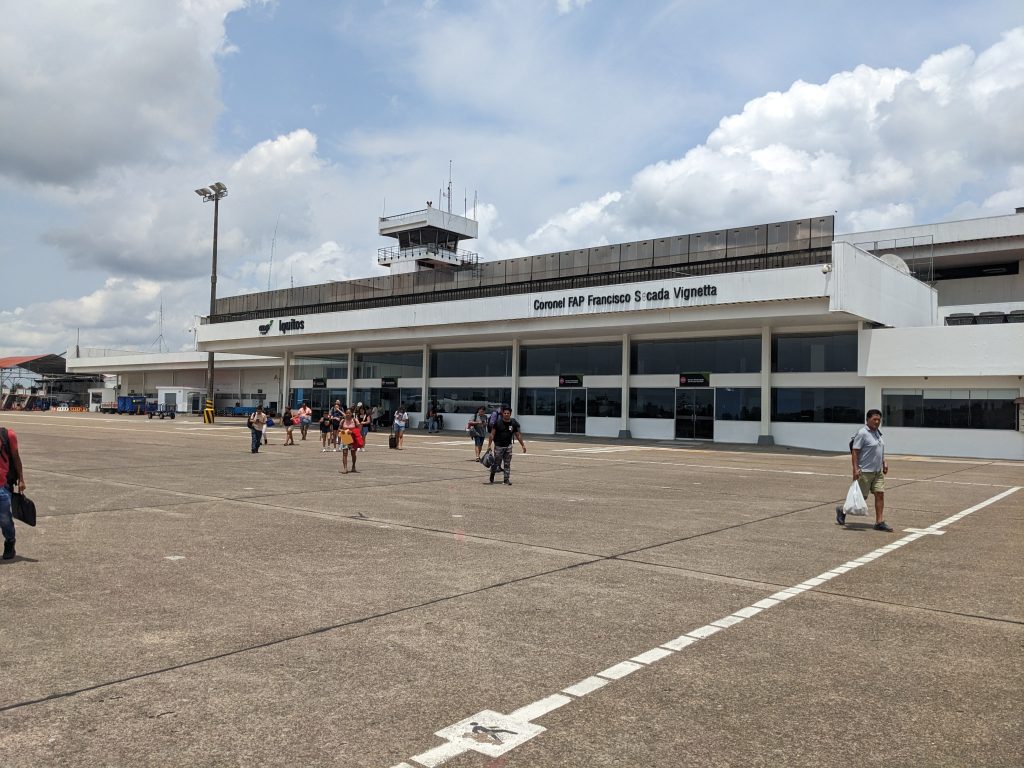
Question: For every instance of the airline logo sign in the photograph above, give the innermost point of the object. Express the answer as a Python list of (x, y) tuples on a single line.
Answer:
[(283, 326)]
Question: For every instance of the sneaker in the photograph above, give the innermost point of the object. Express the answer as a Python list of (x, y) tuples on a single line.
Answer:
[(507, 482), (323, 450), (8, 550), (882, 526), (840, 515)]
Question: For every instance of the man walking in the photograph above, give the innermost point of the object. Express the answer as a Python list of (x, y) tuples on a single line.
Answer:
[(257, 423), (867, 455), (11, 473), (501, 437)]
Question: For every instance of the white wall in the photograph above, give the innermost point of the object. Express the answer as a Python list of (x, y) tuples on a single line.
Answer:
[(1000, 289), (978, 443), (745, 432), (822, 437), (867, 287), (978, 351)]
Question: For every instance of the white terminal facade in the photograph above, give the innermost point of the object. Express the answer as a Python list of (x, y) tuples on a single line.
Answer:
[(779, 333)]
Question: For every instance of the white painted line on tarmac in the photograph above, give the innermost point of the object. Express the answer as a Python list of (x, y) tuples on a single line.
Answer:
[(620, 670), (492, 733), (651, 656), (585, 686)]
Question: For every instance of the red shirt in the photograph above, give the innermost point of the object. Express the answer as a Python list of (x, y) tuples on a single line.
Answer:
[(5, 459)]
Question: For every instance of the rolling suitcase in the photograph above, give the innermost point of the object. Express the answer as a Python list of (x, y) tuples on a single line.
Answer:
[(392, 441)]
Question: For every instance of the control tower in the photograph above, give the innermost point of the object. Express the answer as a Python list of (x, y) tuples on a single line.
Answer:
[(427, 239)]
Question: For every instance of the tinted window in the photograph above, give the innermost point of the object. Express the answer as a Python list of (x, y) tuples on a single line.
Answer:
[(584, 359), (818, 405), (738, 403), (468, 399), (470, 362), (814, 352), (650, 403), (949, 408), (606, 402), (333, 367), (412, 399), (730, 355), (537, 402), (381, 365)]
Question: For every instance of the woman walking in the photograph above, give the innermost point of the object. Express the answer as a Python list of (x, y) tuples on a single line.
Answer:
[(289, 425), (349, 425), (364, 425), (478, 429)]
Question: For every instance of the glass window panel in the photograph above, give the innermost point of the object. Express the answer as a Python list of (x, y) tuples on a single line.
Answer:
[(738, 403), (725, 355), (451, 363), (583, 359), (322, 367), (412, 398), (651, 403), (814, 352), (993, 414), (386, 365), (537, 402), (468, 399), (604, 402), (818, 405)]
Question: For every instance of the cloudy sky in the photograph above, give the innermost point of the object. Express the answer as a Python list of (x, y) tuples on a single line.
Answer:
[(571, 122)]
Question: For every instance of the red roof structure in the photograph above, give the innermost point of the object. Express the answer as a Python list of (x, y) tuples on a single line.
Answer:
[(42, 365)]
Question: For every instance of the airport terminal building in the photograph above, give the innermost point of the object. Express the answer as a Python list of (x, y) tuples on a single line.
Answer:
[(779, 333)]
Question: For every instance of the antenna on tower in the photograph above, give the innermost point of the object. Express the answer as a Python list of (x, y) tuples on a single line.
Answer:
[(273, 242), (160, 339), (449, 186)]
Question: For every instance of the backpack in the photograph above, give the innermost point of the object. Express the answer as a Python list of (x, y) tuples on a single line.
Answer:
[(492, 420), (5, 447)]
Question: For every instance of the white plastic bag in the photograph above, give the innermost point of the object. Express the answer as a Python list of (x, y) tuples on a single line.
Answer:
[(855, 503)]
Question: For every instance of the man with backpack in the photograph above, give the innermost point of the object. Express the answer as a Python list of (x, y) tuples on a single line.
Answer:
[(867, 455), (502, 433), (11, 473)]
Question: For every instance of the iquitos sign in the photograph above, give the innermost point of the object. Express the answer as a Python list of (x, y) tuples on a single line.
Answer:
[(283, 326), (584, 301)]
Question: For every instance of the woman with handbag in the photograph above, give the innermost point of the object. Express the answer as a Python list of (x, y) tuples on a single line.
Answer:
[(289, 425), (348, 429)]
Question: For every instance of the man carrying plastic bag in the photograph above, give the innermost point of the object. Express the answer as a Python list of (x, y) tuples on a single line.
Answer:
[(867, 455)]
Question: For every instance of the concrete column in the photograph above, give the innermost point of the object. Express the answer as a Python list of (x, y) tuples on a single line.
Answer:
[(765, 437), (426, 379), (351, 369), (286, 381), (624, 431), (515, 375), (240, 390)]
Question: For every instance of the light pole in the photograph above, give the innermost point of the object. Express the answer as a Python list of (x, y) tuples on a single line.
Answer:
[(214, 192)]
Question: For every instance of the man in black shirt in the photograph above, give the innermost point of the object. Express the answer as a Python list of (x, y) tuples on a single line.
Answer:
[(501, 437)]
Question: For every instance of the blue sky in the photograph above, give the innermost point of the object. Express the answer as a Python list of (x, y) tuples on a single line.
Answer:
[(573, 122)]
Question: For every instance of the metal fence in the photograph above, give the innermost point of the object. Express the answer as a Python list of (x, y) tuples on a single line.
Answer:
[(768, 246)]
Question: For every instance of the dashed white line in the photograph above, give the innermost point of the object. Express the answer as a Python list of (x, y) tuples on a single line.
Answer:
[(524, 715)]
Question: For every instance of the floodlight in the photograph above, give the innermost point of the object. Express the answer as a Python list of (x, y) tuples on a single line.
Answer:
[(218, 187), (203, 192)]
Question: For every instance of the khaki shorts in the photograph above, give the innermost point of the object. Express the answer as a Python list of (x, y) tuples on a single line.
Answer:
[(873, 482)]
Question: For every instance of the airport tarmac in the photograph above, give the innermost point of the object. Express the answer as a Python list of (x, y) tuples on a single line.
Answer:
[(623, 603)]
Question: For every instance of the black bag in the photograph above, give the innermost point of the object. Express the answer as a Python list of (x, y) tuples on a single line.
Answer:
[(487, 459), (392, 441), (23, 508)]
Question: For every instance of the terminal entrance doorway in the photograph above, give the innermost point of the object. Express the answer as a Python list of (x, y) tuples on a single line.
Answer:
[(571, 411), (695, 414)]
